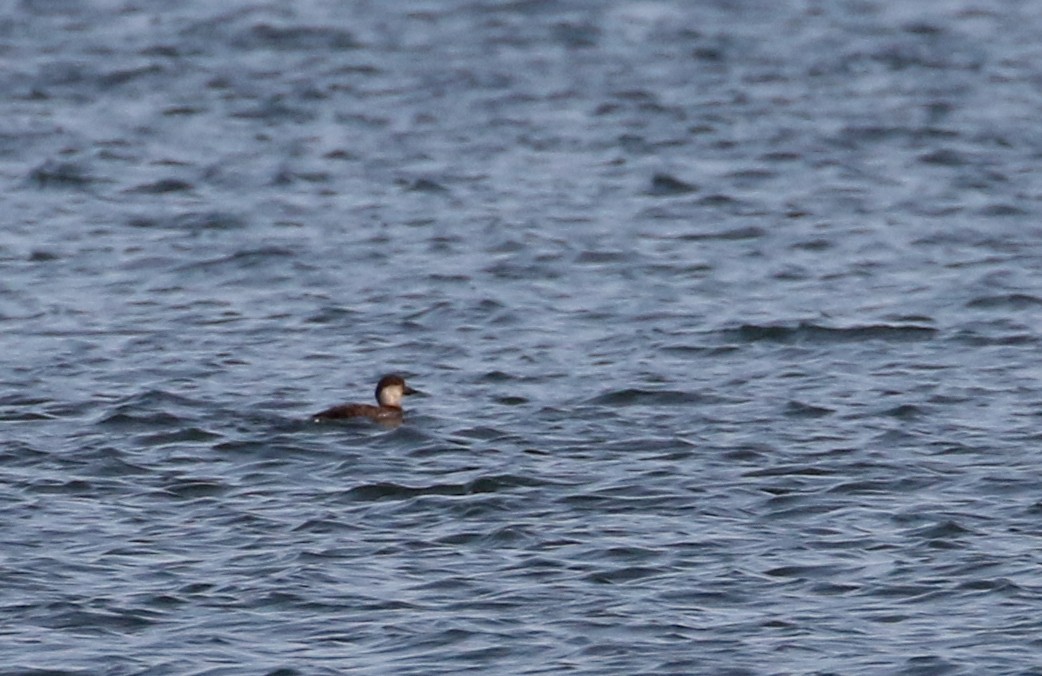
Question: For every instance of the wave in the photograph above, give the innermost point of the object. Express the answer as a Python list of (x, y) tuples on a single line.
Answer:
[(817, 333)]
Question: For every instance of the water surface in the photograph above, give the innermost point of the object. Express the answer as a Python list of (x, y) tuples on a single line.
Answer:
[(726, 316)]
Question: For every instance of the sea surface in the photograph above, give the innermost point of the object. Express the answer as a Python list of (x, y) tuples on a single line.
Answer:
[(726, 315)]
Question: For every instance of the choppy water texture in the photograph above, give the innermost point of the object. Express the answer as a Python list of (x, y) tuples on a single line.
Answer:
[(726, 316)]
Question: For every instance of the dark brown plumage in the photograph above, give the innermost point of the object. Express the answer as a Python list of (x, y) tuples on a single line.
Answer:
[(389, 393)]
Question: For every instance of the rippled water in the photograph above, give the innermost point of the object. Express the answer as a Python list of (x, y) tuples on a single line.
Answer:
[(726, 316)]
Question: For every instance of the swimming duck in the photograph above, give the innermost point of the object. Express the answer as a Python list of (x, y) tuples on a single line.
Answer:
[(389, 393)]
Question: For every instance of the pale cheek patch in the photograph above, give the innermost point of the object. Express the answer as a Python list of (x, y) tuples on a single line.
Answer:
[(391, 396)]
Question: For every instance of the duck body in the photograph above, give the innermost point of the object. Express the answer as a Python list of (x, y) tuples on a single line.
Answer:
[(344, 411), (389, 393)]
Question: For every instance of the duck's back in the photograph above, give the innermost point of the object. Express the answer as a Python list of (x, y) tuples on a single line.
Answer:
[(358, 411)]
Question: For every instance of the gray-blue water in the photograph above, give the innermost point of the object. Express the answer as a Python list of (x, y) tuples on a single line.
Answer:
[(727, 317)]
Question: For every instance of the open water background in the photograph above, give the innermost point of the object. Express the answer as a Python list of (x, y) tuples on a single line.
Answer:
[(727, 316)]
